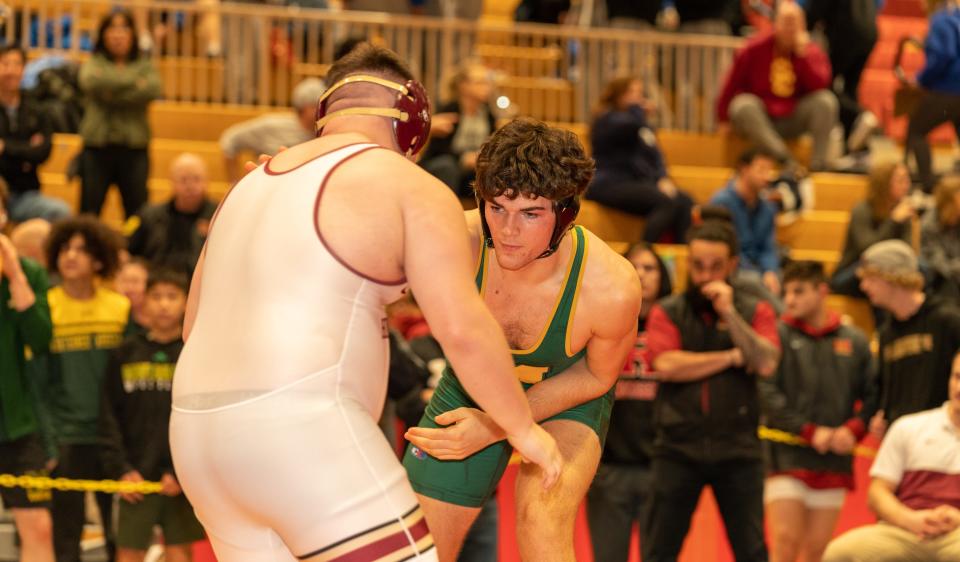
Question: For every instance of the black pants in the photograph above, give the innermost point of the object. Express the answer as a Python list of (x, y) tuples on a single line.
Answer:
[(78, 461), (738, 487), (662, 213), (935, 109), (847, 69), (102, 166), (619, 495)]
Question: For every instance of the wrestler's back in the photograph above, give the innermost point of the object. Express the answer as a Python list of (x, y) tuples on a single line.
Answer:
[(276, 305)]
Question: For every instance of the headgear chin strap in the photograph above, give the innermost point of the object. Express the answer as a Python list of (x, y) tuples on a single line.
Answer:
[(565, 212), (410, 111)]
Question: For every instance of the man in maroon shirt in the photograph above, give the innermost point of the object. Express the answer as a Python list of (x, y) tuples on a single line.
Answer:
[(779, 88)]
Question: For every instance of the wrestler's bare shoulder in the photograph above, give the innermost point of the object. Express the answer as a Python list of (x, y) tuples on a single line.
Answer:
[(610, 282)]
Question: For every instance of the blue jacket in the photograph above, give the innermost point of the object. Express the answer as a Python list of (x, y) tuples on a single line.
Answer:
[(625, 149), (755, 230), (942, 70)]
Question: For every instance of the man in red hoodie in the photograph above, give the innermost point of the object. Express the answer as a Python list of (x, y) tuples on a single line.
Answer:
[(779, 88)]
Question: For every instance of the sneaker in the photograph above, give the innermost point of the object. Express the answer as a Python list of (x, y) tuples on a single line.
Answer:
[(865, 125)]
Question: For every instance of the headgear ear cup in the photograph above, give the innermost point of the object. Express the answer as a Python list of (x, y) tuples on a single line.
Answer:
[(410, 111)]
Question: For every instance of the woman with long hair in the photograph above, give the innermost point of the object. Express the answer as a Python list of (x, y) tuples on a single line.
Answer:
[(631, 171), (940, 232), (119, 83)]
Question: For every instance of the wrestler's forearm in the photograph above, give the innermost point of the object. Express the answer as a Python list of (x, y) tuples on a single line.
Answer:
[(565, 390), (759, 355)]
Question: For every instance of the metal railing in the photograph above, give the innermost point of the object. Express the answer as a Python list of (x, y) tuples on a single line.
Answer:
[(254, 54)]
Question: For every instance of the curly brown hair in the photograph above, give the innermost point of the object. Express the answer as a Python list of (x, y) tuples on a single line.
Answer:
[(530, 158), (102, 243)]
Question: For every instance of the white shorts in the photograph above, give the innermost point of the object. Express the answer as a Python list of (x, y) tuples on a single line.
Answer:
[(297, 474), (783, 487)]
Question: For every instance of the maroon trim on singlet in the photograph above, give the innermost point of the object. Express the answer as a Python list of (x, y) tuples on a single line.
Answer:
[(269, 172), (316, 226)]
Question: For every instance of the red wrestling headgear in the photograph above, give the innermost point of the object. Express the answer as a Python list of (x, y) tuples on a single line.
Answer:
[(565, 211), (410, 111)]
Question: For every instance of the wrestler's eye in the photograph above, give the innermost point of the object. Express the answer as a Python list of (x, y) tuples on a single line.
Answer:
[(530, 215), (496, 208)]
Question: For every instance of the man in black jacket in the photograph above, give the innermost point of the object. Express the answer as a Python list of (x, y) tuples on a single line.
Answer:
[(708, 345), (25, 141), (826, 369)]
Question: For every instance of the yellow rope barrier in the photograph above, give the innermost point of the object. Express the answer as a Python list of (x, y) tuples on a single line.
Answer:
[(786, 438), (71, 485)]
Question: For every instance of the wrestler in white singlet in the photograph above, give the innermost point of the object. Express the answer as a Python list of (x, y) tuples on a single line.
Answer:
[(280, 384)]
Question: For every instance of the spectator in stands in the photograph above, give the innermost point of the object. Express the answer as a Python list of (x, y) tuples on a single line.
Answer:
[(119, 83), (622, 489), (710, 17), (921, 335), (29, 238), (542, 11), (851, 30), (633, 14), (459, 127), (25, 141), (88, 322), (913, 490), (753, 217), (131, 282), (885, 214), (940, 78), (825, 370), (779, 88), (940, 234), (267, 133), (631, 171), (171, 234), (134, 417), (24, 322), (707, 408)]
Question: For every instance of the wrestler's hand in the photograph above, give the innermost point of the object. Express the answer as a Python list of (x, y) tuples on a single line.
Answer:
[(132, 476), (467, 431), (537, 446), (250, 165)]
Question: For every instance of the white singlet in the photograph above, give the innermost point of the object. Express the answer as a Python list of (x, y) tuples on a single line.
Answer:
[(278, 390)]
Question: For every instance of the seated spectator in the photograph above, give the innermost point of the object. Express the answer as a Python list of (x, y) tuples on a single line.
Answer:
[(119, 83), (921, 335), (631, 172), (940, 78), (778, 89), (135, 404), (131, 282), (709, 17), (913, 490), (459, 127), (267, 133), (25, 142), (884, 215), (30, 237), (825, 371), (171, 234), (623, 486), (753, 217), (940, 234)]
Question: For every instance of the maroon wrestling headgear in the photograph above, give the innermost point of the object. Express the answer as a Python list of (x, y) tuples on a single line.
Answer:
[(410, 111)]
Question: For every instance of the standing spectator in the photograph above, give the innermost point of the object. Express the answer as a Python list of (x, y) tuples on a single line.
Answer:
[(459, 127), (940, 234), (267, 133), (825, 370), (884, 215), (919, 338), (542, 11), (940, 78), (131, 282), (851, 30), (779, 88), (171, 234), (710, 17), (913, 490), (633, 14), (25, 141), (24, 322), (88, 322), (623, 487), (119, 83), (631, 171), (707, 408), (134, 417), (753, 217)]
